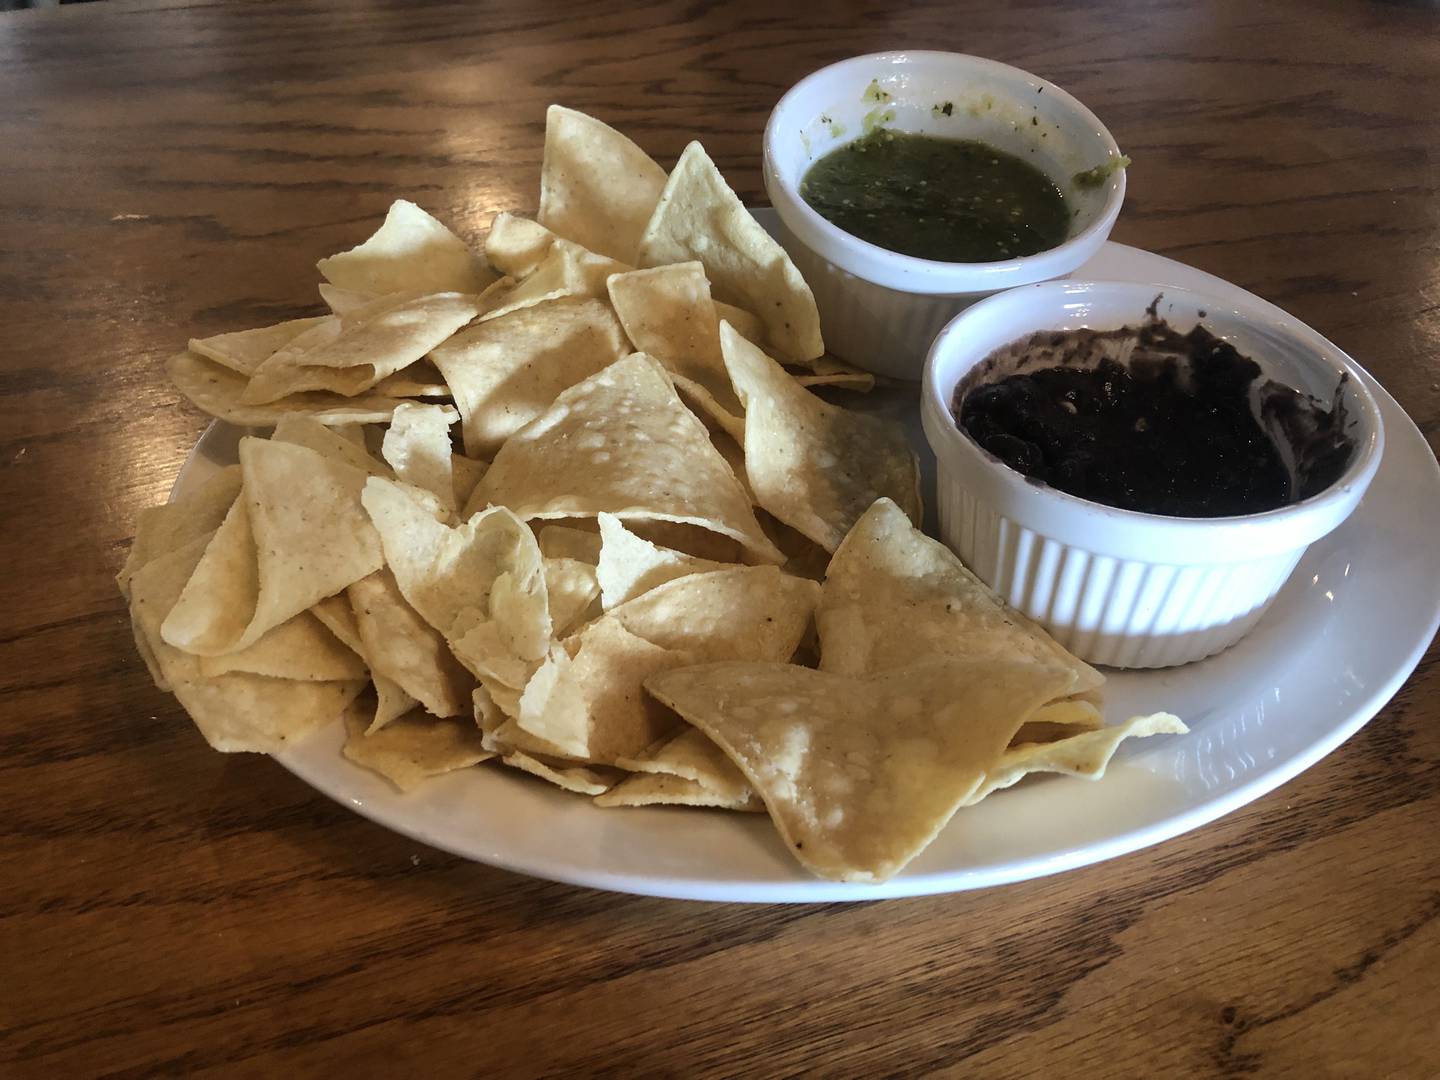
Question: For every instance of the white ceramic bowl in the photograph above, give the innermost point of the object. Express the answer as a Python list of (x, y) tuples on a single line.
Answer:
[(880, 309), (1119, 587)]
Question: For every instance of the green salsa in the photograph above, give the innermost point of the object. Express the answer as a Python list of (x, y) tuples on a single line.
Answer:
[(945, 199)]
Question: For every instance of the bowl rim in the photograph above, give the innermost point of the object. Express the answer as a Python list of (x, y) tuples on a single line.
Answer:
[(801, 218), (1039, 298)]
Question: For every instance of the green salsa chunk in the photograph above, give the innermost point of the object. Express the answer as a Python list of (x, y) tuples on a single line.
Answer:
[(950, 200)]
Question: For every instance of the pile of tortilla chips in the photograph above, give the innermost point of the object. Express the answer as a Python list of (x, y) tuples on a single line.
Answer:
[(570, 504)]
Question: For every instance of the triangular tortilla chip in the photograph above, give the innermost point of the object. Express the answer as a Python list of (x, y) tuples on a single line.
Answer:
[(404, 648), (622, 442), (505, 372), (629, 565), (894, 597), (413, 748), (597, 187), (236, 712), (372, 343), (296, 535), (330, 443), (694, 757), (1085, 755), (567, 271), (217, 390), (815, 466), (417, 447), (736, 613), (699, 217), (410, 252), (517, 246), (246, 350), (299, 648), (391, 701), (860, 775), (664, 789), (481, 584), (162, 529), (667, 313)]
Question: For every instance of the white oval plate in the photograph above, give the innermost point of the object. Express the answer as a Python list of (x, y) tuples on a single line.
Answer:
[(1340, 640)]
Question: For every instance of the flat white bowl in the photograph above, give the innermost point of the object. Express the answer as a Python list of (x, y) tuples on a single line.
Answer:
[(1338, 642)]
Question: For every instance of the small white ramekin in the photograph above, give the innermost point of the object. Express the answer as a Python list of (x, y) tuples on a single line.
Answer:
[(1119, 587), (880, 309)]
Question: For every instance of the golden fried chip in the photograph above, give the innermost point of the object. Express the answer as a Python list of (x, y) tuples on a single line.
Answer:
[(517, 246), (417, 447), (622, 442), (815, 466), (217, 390), (404, 648), (410, 252), (667, 313), (300, 648), (574, 778), (413, 748), (296, 535), (329, 442), (370, 344), (246, 350), (859, 775), (692, 756), (664, 789), (894, 597), (699, 217), (481, 584), (236, 712), (567, 271), (1085, 755), (162, 529), (597, 187), (629, 565), (504, 372)]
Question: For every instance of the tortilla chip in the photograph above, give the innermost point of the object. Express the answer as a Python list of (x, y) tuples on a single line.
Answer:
[(404, 648), (693, 757), (330, 443), (417, 447), (622, 442), (667, 313), (894, 597), (578, 779), (162, 529), (296, 535), (505, 372), (1084, 755), (465, 474), (246, 350), (597, 187), (594, 707), (236, 712), (699, 217), (569, 542), (371, 343), (859, 775), (411, 252), (629, 566), (662, 789), (300, 649), (737, 613), (572, 588), (217, 390), (517, 246), (413, 748), (815, 466), (421, 379), (568, 270), (335, 614), (481, 584)]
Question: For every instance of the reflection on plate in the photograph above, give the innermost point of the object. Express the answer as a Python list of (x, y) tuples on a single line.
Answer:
[(1341, 638)]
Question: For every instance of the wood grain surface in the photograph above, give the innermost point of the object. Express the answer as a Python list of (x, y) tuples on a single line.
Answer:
[(176, 168)]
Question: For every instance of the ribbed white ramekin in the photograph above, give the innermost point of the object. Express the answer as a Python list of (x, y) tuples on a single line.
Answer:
[(880, 309), (1119, 587)]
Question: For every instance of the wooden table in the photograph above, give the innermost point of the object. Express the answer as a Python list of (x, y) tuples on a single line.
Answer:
[(176, 168)]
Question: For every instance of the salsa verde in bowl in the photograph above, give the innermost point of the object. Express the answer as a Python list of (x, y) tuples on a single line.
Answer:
[(879, 307)]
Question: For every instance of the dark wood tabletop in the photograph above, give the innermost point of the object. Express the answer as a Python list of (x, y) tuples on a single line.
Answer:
[(171, 169)]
